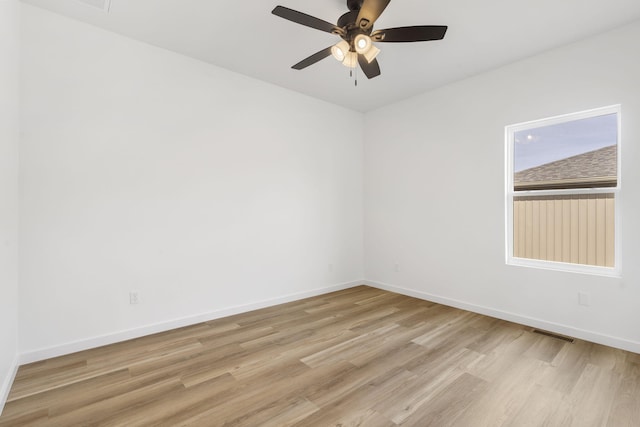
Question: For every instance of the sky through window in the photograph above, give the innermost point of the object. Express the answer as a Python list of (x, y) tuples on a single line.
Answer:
[(545, 144)]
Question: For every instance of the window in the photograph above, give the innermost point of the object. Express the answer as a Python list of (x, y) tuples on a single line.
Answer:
[(562, 191)]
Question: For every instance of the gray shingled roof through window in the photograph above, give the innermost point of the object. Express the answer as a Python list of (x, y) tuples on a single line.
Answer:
[(594, 168)]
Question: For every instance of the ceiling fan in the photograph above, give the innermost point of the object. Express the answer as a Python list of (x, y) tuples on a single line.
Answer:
[(356, 30)]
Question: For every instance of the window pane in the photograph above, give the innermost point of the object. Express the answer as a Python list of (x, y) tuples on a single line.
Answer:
[(577, 229), (574, 154)]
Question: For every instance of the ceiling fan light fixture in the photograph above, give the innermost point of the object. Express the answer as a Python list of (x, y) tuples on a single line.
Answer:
[(350, 60), (340, 50), (362, 43), (371, 54)]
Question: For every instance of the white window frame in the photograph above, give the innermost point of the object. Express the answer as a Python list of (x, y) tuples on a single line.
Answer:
[(510, 193)]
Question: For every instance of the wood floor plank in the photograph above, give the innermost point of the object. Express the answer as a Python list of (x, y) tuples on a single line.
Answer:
[(595, 392), (100, 412), (173, 405), (503, 397), (446, 406), (625, 410), (356, 357), (542, 407), (426, 385), (353, 406)]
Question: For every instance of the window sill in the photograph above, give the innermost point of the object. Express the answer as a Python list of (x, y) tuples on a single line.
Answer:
[(565, 267)]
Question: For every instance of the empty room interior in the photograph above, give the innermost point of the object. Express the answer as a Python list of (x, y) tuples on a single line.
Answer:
[(205, 219)]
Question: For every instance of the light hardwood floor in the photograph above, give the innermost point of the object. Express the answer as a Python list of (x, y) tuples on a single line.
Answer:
[(359, 357)]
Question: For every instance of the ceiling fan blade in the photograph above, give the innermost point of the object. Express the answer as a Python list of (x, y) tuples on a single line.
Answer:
[(313, 59), (418, 33), (370, 11), (306, 20), (370, 69)]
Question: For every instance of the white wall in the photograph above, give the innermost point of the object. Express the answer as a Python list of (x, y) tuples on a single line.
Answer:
[(202, 189), (434, 191), (9, 136), (209, 192)]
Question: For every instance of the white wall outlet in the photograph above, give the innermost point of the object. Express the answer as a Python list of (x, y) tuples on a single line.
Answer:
[(396, 267), (583, 298), (134, 297), (330, 268)]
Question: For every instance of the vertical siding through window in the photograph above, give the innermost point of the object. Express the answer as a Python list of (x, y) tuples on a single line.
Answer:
[(576, 229)]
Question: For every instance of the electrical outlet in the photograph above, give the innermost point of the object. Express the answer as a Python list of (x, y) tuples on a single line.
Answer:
[(134, 297), (330, 267), (396, 268), (583, 298)]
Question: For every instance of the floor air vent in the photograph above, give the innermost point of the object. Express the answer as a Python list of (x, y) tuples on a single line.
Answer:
[(552, 335)]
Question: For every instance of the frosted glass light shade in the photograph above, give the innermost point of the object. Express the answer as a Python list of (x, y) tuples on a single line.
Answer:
[(371, 54), (340, 50), (362, 43), (350, 60)]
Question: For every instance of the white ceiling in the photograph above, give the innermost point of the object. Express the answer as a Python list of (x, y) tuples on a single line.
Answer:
[(244, 36)]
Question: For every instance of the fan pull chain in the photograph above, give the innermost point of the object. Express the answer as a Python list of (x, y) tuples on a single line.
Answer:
[(351, 75)]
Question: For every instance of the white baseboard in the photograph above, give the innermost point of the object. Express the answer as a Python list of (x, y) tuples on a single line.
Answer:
[(8, 382), (85, 344), (571, 331)]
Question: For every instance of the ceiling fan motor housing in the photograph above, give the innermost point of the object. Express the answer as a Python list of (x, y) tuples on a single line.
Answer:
[(354, 4), (348, 20), (352, 30)]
